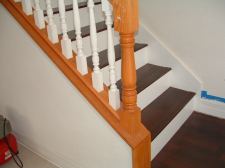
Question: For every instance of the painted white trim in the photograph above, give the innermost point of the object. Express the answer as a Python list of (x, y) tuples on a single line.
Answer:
[(169, 131), (171, 52), (48, 156), (211, 108)]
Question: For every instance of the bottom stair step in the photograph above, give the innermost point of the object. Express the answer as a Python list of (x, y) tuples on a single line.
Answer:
[(199, 143), (157, 115)]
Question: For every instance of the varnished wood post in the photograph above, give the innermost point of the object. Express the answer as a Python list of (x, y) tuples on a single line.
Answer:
[(126, 22), (130, 115)]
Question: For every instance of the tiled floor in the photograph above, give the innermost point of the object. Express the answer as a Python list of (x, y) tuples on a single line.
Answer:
[(30, 160)]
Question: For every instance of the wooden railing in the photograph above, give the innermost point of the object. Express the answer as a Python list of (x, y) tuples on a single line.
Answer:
[(127, 121), (125, 22)]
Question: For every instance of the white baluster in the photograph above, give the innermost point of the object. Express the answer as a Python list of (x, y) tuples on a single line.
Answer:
[(27, 7), (51, 27), (114, 94), (97, 78), (65, 42), (39, 15), (81, 58)]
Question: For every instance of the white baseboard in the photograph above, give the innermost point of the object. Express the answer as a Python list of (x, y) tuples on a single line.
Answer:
[(54, 158), (210, 107)]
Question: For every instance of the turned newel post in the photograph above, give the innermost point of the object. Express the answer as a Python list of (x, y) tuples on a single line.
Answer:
[(126, 23), (129, 93), (130, 115)]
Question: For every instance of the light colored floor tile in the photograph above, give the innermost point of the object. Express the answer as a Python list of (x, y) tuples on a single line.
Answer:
[(30, 160)]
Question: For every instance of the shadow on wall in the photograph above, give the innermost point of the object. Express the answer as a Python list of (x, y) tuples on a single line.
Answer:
[(19, 122)]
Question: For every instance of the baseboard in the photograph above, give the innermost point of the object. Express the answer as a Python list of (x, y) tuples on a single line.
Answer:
[(210, 107), (56, 159)]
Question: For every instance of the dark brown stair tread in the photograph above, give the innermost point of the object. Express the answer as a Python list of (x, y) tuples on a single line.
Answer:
[(70, 7), (85, 31), (147, 75), (157, 115), (103, 57), (199, 143)]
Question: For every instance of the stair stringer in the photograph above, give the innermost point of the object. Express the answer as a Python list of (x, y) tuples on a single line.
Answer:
[(138, 142), (49, 115)]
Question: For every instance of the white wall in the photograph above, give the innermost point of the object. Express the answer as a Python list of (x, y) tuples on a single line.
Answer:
[(48, 114), (195, 31)]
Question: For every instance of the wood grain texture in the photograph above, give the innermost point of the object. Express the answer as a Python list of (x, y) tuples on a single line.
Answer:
[(126, 15), (131, 114), (199, 143), (157, 115), (141, 155), (126, 22), (83, 84)]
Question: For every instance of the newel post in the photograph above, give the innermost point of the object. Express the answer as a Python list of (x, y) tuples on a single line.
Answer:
[(126, 22), (131, 114)]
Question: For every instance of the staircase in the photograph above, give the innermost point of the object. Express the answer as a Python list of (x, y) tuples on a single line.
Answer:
[(93, 57)]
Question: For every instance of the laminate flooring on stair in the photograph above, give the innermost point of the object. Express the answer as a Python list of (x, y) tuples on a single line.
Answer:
[(199, 143)]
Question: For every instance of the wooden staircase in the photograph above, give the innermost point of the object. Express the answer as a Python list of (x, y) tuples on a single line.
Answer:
[(132, 123)]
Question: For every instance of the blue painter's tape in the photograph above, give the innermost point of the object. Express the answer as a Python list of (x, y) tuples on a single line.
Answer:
[(205, 95)]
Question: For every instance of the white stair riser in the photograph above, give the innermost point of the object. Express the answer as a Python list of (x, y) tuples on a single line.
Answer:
[(140, 60), (167, 133), (84, 17), (102, 43), (153, 91)]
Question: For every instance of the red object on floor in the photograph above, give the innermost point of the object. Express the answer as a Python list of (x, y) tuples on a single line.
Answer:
[(5, 154)]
